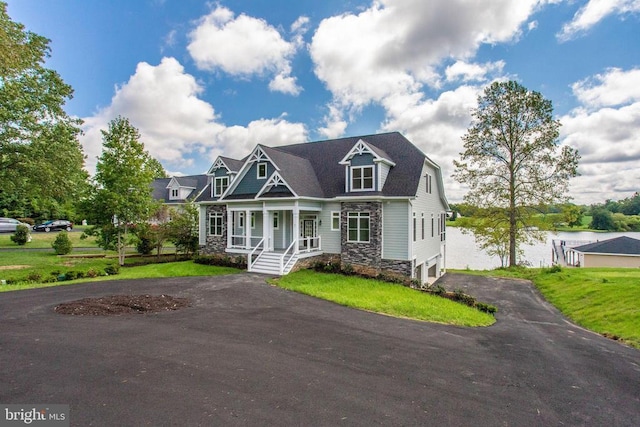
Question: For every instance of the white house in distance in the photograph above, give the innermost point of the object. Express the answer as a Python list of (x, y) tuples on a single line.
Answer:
[(374, 202)]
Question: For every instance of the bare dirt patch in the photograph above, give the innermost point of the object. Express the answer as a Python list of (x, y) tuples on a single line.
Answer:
[(122, 304), (13, 267)]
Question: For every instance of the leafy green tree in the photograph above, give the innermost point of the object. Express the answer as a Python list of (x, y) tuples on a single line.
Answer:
[(38, 140), (122, 194), (601, 219), (512, 161), (21, 236), (572, 215), (183, 229)]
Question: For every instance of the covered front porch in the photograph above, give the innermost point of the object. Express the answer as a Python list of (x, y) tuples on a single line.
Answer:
[(273, 236)]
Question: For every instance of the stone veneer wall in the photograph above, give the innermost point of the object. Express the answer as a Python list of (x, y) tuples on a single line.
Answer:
[(367, 254), (401, 267), (215, 244)]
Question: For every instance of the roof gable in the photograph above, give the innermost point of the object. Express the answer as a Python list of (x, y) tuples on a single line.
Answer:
[(361, 147)]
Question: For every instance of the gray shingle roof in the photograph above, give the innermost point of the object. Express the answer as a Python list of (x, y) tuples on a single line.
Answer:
[(161, 192), (620, 245)]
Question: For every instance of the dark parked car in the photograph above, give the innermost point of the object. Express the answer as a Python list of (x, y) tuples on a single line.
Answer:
[(58, 224), (8, 225)]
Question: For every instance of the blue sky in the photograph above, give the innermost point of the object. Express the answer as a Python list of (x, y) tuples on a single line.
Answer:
[(200, 79)]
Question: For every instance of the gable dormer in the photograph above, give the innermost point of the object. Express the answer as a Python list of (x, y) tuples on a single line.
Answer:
[(366, 168), (221, 174), (180, 189)]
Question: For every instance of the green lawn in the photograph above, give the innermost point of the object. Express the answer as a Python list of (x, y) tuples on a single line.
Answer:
[(381, 297), (44, 240), (604, 300)]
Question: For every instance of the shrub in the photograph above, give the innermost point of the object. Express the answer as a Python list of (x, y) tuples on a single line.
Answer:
[(555, 268), (92, 273), (21, 236), (34, 277), (29, 221), (70, 275), (62, 245), (112, 269), (487, 308)]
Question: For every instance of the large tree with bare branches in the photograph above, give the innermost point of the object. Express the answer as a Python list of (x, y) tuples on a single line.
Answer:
[(512, 162)]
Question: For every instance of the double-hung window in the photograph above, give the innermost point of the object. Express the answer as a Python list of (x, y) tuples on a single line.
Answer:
[(174, 193), (361, 178), (221, 185), (358, 227), (216, 221)]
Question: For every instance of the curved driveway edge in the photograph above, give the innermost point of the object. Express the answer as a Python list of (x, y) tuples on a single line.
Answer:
[(247, 353)]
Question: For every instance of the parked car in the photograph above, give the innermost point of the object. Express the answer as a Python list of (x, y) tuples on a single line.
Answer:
[(9, 225), (53, 225)]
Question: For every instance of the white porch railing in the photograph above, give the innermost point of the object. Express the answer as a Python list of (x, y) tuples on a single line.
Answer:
[(251, 263), (239, 241), (309, 244), (284, 265)]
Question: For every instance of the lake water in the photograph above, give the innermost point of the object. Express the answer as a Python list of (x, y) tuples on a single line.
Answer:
[(463, 252)]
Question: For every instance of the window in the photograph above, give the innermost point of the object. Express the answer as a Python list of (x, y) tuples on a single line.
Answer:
[(428, 183), (241, 219), (443, 229), (253, 220), (362, 178), (358, 227), (262, 170), (431, 225), (276, 220), (174, 193), (216, 221), (221, 185), (415, 227), (422, 218), (335, 221)]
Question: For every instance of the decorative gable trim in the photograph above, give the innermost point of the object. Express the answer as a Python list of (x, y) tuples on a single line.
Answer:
[(173, 183), (273, 181), (218, 164), (361, 147), (257, 155)]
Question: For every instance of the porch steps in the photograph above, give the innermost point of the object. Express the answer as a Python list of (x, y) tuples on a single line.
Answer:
[(269, 263)]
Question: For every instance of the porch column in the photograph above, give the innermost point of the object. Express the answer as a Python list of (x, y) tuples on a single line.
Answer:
[(247, 229), (265, 228), (229, 228), (296, 227)]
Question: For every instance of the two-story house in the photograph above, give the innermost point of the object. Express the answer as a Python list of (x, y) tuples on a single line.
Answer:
[(375, 202)]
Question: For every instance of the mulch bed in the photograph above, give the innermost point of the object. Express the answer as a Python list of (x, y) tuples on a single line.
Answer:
[(122, 304)]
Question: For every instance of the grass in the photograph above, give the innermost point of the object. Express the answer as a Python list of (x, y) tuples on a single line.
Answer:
[(169, 269), (41, 240), (604, 300), (384, 298)]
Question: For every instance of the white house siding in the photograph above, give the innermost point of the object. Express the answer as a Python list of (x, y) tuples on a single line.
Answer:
[(427, 252), (330, 239), (395, 230)]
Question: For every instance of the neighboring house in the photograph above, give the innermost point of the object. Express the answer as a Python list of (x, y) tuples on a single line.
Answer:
[(174, 192), (374, 202), (618, 252)]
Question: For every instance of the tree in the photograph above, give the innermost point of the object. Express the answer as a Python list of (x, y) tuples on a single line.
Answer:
[(122, 195), (512, 161), (572, 215), (601, 219), (41, 160), (183, 229)]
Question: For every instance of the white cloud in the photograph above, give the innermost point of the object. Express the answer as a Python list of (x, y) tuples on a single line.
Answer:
[(162, 102), (467, 72), (243, 46), (605, 131), (394, 46), (335, 124), (436, 126), (614, 87), (595, 11)]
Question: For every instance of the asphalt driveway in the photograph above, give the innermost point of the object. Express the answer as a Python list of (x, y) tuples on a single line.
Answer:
[(247, 353)]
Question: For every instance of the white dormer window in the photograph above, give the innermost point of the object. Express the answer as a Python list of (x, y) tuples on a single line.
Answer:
[(362, 178), (262, 170), (221, 185), (174, 193)]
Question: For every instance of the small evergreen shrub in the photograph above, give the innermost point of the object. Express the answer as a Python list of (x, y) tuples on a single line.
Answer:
[(34, 277), (92, 273), (62, 245), (112, 269), (70, 275), (21, 236)]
